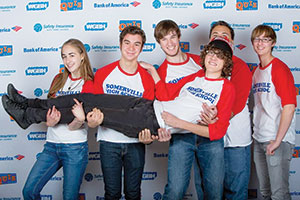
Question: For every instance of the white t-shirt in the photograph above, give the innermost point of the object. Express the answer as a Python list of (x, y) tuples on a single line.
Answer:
[(61, 133), (273, 87)]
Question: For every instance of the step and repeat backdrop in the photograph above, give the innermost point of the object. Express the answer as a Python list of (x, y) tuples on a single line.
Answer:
[(31, 35)]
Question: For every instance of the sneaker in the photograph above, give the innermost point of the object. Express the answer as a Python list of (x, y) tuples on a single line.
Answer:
[(16, 111), (16, 97)]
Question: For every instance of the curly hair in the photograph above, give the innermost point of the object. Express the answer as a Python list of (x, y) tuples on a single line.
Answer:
[(224, 55)]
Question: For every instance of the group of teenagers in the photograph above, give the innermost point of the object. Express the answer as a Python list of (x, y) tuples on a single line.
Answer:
[(199, 103)]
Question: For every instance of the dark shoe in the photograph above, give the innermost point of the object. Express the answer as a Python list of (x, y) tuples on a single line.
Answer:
[(15, 96), (16, 111)]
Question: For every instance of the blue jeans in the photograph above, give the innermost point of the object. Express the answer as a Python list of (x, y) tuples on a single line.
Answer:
[(114, 157), (72, 157), (237, 172), (210, 159)]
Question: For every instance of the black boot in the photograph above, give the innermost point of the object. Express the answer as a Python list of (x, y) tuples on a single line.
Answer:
[(16, 111), (16, 97)]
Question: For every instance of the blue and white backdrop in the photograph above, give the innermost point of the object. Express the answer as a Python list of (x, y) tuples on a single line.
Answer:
[(31, 35)]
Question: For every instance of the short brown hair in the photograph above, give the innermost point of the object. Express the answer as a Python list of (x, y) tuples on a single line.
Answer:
[(134, 30), (164, 27), (263, 29)]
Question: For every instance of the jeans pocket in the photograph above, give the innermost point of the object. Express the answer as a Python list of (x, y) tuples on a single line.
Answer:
[(274, 160)]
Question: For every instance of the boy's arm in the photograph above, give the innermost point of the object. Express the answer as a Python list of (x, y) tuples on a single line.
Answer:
[(284, 86), (214, 131), (286, 118), (175, 122), (242, 80), (152, 71)]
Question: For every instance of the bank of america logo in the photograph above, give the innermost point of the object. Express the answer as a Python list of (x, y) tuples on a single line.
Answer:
[(240, 46), (19, 157), (193, 25), (135, 3), (16, 28)]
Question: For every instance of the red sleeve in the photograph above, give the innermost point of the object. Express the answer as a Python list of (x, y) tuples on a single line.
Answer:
[(241, 78), (88, 87), (195, 57), (101, 75), (283, 81), (224, 106), (162, 70), (169, 91), (148, 84)]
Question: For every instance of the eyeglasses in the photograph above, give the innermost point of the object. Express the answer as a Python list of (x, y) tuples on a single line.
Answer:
[(263, 40), (211, 53)]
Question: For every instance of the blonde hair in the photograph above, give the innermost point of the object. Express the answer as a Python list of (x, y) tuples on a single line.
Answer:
[(86, 71)]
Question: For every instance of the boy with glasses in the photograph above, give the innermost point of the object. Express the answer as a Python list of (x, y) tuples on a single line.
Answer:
[(274, 118)]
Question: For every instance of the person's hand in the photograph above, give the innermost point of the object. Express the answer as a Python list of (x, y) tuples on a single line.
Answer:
[(53, 117), (272, 147), (145, 136), (95, 118), (78, 111), (146, 66), (164, 135), (208, 115), (170, 119)]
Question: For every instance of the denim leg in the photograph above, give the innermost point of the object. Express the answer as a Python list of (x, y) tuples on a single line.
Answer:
[(260, 161), (134, 160), (198, 180), (210, 155), (46, 165), (237, 172), (180, 160), (111, 165), (74, 160), (279, 163)]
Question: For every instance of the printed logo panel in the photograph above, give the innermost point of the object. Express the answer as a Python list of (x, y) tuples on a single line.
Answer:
[(71, 5), (246, 5)]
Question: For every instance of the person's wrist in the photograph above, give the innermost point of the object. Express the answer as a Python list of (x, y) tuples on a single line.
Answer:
[(80, 120)]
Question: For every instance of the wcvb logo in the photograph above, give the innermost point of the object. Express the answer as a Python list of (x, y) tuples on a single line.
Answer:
[(36, 6)]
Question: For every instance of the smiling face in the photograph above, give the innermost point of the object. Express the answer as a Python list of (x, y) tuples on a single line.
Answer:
[(170, 44), (214, 63), (131, 47), (72, 59), (263, 45)]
